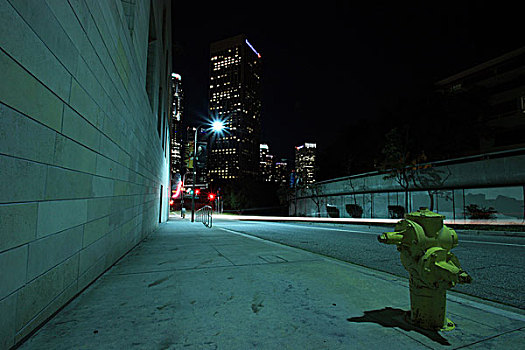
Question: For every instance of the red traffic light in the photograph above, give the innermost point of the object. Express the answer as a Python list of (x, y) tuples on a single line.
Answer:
[(197, 191), (211, 196)]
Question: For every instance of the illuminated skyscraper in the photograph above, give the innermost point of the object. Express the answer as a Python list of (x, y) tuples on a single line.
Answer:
[(282, 173), (235, 97), (176, 124), (266, 164), (305, 163)]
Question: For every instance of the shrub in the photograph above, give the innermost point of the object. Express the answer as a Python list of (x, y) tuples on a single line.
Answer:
[(476, 212), (332, 211), (354, 210), (396, 212)]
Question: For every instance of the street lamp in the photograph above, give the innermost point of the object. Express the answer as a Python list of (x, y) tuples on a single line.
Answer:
[(182, 213), (216, 126)]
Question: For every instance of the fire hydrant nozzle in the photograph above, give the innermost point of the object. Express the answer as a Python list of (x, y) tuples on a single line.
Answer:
[(390, 237), (425, 244)]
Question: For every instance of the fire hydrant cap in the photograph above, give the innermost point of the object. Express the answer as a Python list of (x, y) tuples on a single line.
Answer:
[(424, 213)]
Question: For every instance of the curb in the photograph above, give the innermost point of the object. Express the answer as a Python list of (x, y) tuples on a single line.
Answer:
[(513, 230)]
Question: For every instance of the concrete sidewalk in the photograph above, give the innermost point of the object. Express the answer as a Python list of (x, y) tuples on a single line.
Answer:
[(189, 287)]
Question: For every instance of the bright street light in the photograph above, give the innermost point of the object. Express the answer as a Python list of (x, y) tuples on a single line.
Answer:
[(217, 125)]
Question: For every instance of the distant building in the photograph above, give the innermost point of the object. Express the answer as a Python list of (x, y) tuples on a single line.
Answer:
[(235, 97), (501, 84), (176, 124), (266, 164), (305, 158), (282, 173)]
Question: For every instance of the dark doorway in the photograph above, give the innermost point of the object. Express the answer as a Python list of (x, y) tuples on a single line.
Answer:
[(160, 206)]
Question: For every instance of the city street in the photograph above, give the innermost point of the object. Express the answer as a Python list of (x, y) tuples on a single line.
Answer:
[(115, 114), (494, 262)]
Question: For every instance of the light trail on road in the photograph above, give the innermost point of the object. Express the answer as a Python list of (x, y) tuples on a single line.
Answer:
[(375, 234), (325, 228), (494, 243)]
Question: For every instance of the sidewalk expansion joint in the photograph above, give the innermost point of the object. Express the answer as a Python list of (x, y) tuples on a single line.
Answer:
[(490, 338), (408, 335), (210, 267), (222, 255)]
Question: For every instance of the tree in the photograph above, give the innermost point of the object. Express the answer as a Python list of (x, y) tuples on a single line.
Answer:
[(315, 192), (397, 161), (284, 193), (236, 198), (430, 179), (354, 210), (410, 171), (249, 194)]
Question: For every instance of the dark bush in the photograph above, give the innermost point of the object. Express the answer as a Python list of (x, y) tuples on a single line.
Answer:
[(354, 210), (332, 211), (396, 212), (475, 212)]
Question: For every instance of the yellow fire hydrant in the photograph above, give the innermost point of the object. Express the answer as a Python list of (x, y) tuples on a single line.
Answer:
[(425, 244)]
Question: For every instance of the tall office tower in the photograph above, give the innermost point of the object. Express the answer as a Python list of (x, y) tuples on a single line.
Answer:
[(235, 97), (266, 166), (176, 125), (305, 163), (281, 172)]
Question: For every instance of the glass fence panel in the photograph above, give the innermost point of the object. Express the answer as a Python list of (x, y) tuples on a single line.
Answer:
[(367, 204), (333, 206), (459, 203), (353, 207), (495, 203), (509, 202), (380, 207), (420, 199), (396, 205), (393, 198), (443, 203)]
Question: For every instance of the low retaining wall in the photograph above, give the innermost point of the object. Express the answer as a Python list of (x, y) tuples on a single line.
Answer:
[(489, 186)]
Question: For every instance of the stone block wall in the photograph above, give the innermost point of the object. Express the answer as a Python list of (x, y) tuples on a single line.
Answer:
[(84, 155)]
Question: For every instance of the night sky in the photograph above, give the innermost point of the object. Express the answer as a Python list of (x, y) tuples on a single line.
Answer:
[(330, 65)]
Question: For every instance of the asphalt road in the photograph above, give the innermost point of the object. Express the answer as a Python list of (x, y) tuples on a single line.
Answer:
[(496, 263)]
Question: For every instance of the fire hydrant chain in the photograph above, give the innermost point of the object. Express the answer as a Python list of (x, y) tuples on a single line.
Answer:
[(425, 243)]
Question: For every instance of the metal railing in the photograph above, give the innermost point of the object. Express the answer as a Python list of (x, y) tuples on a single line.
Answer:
[(204, 215)]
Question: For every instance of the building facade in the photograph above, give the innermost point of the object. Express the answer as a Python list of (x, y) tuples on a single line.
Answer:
[(84, 146), (499, 86), (176, 124), (282, 172), (235, 98), (305, 162), (266, 164)]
